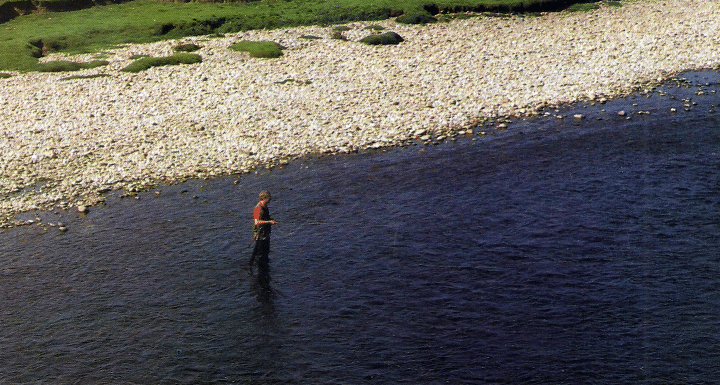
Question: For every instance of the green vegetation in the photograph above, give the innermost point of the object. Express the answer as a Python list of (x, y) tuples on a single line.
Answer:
[(337, 32), (190, 47), (24, 39), (583, 7), (293, 81), (337, 35), (384, 39), (176, 59), (416, 18), (260, 49), (86, 77), (4, 75), (69, 66), (587, 7)]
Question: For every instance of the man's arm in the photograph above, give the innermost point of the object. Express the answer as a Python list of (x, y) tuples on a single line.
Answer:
[(256, 217)]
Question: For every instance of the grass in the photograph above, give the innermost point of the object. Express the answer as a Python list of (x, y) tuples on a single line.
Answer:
[(69, 66), (259, 49), (417, 17), (149, 62), (587, 7), (26, 38), (44, 2), (338, 35), (583, 7), (86, 77), (189, 47)]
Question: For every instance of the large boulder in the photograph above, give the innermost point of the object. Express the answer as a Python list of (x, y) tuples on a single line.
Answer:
[(388, 38)]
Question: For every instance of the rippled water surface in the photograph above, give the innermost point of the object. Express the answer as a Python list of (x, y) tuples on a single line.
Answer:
[(558, 251)]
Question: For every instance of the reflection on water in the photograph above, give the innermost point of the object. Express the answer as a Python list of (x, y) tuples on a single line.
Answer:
[(557, 251)]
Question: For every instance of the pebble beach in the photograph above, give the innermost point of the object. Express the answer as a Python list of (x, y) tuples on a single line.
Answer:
[(67, 143)]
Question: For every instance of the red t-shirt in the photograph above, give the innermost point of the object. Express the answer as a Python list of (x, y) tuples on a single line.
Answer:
[(257, 211), (261, 213)]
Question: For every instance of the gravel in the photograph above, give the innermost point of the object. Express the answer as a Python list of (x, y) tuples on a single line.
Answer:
[(67, 143)]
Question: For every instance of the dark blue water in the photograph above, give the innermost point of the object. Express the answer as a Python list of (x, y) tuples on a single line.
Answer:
[(555, 252)]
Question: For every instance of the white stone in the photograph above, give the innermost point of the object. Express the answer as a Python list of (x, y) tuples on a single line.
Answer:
[(227, 114)]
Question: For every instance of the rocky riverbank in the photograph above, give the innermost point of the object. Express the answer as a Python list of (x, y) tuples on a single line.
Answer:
[(66, 143)]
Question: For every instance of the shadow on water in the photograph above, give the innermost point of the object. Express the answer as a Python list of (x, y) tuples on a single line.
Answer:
[(264, 292), (557, 251)]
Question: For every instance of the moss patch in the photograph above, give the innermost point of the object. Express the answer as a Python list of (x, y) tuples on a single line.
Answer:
[(583, 7), (338, 35), (86, 76), (388, 38), (69, 66), (4, 75), (293, 81), (374, 28), (416, 18), (189, 47), (149, 62), (259, 49)]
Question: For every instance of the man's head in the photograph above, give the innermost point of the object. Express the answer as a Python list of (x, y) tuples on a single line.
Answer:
[(264, 196)]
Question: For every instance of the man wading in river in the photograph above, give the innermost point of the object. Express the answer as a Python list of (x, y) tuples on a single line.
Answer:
[(262, 225)]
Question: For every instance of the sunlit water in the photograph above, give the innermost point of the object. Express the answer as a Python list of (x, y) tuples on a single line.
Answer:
[(558, 251)]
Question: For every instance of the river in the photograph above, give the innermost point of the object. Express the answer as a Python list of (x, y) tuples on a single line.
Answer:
[(578, 251)]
